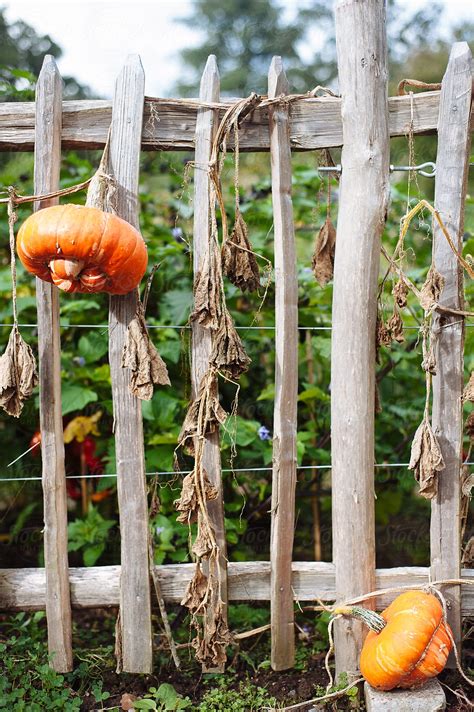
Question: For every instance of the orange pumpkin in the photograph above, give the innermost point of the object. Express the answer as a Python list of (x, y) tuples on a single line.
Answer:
[(82, 249), (407, 644)]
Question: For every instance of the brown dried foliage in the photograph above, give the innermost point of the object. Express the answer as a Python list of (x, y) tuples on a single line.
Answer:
[(188, 503), (426, 459), (395, 326), (228, 354), (469, 426), (196, 591), (400, 293), (431, 289), (18, 374), (207, 291), (142, 358), (238, 259), (204, 415), (211, 646), (324, 251), (468, 394)]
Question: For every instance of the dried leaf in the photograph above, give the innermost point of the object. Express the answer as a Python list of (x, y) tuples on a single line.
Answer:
[(395, 326), (207, 295), (400, 293), (426, 459), (211, 647), (469, 425), (238, 259), (467, 482), (127, 700), (228, 354), (324, 251), (212, 414), (18, 374), (384, 337), (205, 540), (188, 503), (468, 394), (196, 591), (142, 358), (468, 556), (431, 289)]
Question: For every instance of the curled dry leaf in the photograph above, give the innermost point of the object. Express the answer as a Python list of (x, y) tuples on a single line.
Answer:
[(207, 291), (469, 426), (205, 541), (211, 647), (384, 337), (238, 259), (431, 289), (468, 394), (204, 415), (324, 251), (400, 293), (228, 354), (468, 556), (18, 374), (196, 591), (395, 326), (467, 482), (142, 358), (188, 503), (426, 459)]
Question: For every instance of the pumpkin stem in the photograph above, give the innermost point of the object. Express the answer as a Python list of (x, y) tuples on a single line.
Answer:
[(372, 619)]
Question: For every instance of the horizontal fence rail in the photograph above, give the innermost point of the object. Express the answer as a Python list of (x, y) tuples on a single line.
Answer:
[(99, 586), (170, 125)]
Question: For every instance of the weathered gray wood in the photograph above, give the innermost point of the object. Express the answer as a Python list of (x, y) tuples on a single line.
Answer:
[(452, 165), (429, 698), (286, 378), (314, 123), (363, 201), (98, 586), (135, 606), (206, 126), (46, 179)]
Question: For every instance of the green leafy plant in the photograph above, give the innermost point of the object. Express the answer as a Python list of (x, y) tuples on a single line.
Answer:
[(246, 697), (89, 535), (163, 699)]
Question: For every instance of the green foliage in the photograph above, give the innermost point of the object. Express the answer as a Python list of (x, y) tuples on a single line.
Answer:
[(163, 699), (89, 535), (246, 697)]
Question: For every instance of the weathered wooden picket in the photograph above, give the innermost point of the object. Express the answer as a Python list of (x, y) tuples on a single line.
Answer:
[(362, 122)]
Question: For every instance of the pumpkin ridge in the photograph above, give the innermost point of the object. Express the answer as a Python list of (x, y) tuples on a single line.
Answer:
[(426, 650)]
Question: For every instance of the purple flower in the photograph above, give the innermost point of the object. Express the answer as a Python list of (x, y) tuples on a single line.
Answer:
[(79, 360), (177, 234), (263, 433), (159, 530)]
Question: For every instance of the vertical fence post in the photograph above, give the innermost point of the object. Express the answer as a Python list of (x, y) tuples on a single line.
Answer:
[(452, 164), (286, 379), (206, 125), (135, 606), (364, 191), (47, 166)]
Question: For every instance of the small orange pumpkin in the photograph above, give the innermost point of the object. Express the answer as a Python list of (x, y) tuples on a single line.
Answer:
[(408, 642), (82, 249)]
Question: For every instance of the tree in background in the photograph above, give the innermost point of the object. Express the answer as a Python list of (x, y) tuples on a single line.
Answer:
[(245, 35), (22, 51)]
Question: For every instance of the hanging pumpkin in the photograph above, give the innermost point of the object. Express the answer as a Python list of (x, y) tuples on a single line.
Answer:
[(408, 642), (82, 249)]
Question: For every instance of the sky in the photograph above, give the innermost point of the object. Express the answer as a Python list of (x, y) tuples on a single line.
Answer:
[(96, 36)]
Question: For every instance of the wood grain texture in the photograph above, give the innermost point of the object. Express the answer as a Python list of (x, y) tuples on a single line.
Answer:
[(99, 586), (46, 179), (314, 123), (135, 606), (286, 378), (452, 165), (363, 201), (206, 126)]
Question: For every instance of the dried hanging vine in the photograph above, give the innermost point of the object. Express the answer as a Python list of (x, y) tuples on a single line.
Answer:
[(235, 258), (426, 459), (324, 253)]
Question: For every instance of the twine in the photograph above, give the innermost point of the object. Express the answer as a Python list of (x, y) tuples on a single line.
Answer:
[(416, 83), (12, 218)]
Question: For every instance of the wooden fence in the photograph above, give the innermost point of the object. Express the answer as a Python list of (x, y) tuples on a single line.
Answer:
[(362, 122)]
